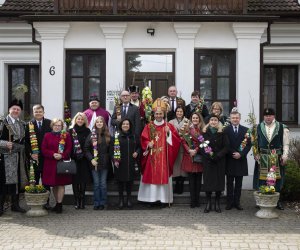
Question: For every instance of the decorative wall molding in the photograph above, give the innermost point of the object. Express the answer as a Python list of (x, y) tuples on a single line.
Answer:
[(187, 30), (52, 31), (113, 30), (249, 30)]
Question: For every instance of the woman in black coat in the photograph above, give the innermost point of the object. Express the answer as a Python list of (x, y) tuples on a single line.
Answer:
[(214, 148), (125, 160), (79, 131)]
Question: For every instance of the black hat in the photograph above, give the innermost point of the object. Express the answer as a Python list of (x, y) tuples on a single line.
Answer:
[(133, 88), (269, 111), (94, 97), (212, 115), (16, 102)]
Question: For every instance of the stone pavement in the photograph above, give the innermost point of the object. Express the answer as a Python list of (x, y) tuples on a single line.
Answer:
[(176, 228)]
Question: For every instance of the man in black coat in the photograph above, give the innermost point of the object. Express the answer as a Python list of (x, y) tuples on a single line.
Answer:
[(236, 165), (129, 111), (41, 127)]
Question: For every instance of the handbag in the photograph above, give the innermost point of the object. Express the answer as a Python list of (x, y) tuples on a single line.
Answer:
[(66, 167), (197, 158)]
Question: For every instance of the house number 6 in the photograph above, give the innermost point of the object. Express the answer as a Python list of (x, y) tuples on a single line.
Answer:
[(52, 70)]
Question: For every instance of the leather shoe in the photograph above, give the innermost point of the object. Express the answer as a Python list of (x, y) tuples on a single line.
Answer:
[(96, 208), (239, 207), (279, 205), (18, 209), (101, 207), (228, 207), (47, 206)]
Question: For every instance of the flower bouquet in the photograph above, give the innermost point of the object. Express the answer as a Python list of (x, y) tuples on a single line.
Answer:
[(67, 114), (147, 101), (204, 144)]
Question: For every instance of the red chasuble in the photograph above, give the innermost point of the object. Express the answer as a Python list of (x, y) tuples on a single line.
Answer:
[(157, 165)]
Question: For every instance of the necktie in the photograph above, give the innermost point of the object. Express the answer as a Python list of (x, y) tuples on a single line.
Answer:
[(235, 130), (39, 125), (124, 110), (173, 107)]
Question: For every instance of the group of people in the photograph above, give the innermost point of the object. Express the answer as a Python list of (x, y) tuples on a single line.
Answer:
[(182, 141)]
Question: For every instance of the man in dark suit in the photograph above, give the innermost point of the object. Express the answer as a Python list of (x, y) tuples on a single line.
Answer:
[(237, 165), (174, 102), (129, 111), (41, 127)]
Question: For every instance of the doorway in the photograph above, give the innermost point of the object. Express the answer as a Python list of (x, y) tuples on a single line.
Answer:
[(156, 70)]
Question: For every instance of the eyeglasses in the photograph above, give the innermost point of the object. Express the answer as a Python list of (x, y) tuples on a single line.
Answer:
[(124, 95), (57, 125)]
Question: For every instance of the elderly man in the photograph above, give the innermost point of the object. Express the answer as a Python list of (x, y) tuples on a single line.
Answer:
[(174, 102), (273, 139), (160, 143), (12, 156), (95, 110), (129, 111)]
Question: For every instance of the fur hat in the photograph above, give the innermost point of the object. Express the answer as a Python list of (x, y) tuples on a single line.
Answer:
[(16, 102), (94, 97), (269, 111), (133, 88)]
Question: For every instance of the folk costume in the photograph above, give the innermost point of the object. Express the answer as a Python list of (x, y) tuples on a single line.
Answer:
[(13, 176), (158, 162), (240, 142), (139, 104), (93, 114), (189, 164), (273, 140)]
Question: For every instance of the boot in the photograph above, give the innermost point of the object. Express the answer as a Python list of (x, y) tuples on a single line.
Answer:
[(208, 203), (2, 199), (76, 196), (217, 203), (181, 185), (280, 205), (192, 187), (54, 209), (15, 207), (82, 192), (59, 208), (129, 204), (121, 202)]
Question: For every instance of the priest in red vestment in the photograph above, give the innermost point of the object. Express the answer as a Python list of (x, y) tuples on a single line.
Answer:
[(160, 144)]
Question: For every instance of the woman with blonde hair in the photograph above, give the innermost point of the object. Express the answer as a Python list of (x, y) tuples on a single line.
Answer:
[(97, 153), (214, 146), (217, 109), (79, 131), (56, 146)]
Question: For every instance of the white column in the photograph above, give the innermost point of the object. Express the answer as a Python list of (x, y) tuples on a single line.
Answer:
[(115, 55), (248, 37), (52, 66), (186, 33)]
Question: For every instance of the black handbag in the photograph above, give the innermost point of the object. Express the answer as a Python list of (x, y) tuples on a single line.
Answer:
[(66, 167), (197, 158)]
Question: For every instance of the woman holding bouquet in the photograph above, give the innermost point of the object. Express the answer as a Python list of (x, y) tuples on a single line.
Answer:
[(192, 160), (56, 145), (124, 151), (97, 153), (79, 131), (214, 145)]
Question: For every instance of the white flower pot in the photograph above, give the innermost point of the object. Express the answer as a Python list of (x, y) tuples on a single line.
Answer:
[(36, 201), (267, 204)]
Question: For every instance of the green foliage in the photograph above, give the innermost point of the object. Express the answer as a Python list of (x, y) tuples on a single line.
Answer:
[(291, 187)]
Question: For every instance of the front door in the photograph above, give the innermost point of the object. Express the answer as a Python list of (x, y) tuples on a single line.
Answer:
[(155, 70)]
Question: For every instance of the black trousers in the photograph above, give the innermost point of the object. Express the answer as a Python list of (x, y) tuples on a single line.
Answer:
[(195, 187), (122, 185), (234, 189)]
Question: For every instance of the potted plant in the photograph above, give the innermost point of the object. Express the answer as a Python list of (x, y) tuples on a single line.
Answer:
[(36, 196), (267, 197)]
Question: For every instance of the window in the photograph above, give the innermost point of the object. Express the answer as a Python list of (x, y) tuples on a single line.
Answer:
[(156, 69), (85, 75), (215, 76), (280, 92), (29, 76)]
